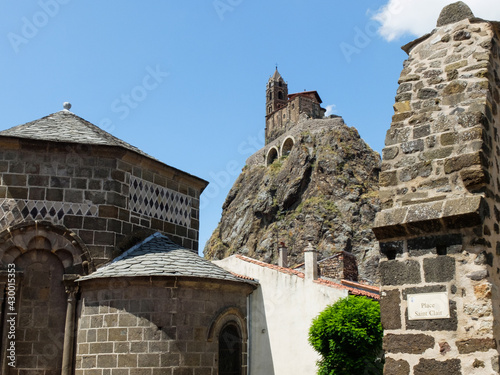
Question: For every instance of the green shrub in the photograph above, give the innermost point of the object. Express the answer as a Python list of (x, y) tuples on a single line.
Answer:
[(348, 336)]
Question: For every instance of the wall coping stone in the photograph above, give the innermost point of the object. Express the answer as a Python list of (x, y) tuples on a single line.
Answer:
[(432, 216)]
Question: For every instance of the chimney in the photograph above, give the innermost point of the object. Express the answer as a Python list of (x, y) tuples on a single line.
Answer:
[(282, 255), (311, 261)]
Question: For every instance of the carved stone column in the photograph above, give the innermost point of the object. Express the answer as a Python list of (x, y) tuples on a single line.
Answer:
[(69, 329)]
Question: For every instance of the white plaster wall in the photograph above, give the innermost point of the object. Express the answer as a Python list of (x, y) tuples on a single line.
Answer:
[(281, 311)]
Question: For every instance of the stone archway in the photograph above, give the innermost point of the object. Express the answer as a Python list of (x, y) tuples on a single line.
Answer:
[(47, 259), (272, 155), (237, 337), (286, 146)]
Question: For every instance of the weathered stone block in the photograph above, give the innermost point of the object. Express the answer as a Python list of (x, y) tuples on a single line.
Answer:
[(408, 343), (421, 131), (448, 139), (107, 360), (393, 272), (117, 334), (474, 177), (148, 360), (390, 153), (439, 269), (455, 87), (463, 161), (433, 367), (427, 93), (127, 360), (402, 106), (388, 179), (412, 146), (423, 169), (470, 119), (456, 65), (425, 212), (389, 309), (101, 347), (394, 367)]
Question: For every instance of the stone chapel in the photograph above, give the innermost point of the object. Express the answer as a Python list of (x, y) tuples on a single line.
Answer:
[(99, 266)]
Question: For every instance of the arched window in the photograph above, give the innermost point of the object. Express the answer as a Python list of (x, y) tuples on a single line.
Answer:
[(230, 350), (280, 95)]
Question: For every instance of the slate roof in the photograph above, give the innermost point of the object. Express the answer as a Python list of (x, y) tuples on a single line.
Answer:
[(157, 255), (65, 126)]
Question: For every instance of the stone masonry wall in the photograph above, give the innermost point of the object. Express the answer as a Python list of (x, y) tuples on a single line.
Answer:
[(152, 326), (439, 186), (281, 121), (108, 196)]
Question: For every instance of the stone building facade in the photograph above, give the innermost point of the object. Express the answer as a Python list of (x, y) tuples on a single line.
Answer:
[(98, 252), (439, 186), (283, 110)]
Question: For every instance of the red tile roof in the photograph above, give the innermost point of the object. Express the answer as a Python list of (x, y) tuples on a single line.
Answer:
[(352, 287)]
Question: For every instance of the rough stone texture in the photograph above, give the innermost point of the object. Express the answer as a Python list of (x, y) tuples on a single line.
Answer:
[(394, 272), (439, 194), (411, 344), (475, 345), (394, 367), (453, 13), (391, 317), (433, 367), (440, 269), (325, 188), (159, 325)]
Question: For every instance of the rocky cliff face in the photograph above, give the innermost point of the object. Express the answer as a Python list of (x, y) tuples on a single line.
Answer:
[(325, 189)]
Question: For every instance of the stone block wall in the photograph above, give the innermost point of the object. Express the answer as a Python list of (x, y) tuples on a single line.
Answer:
[(281, 121), (342, 266), (146, 326), (439, 188), (108, 196)]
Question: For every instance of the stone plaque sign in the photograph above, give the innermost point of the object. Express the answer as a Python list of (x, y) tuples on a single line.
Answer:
[(428, 306)]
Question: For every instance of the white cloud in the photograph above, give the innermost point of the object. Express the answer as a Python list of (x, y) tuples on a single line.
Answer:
[(418, 17), (329, 109)]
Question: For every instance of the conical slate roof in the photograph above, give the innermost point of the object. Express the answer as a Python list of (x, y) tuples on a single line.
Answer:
[(276, 76), (157, 255), (65, 126)]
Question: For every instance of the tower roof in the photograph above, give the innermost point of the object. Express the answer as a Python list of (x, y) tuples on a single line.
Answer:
[(65, 126), (276, 76)]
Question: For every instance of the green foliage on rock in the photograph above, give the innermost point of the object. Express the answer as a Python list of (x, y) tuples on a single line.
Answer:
[(348, 336)]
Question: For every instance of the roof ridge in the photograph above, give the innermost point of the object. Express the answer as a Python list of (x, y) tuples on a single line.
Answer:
[(286, 270), (137, 245), (105, 137)]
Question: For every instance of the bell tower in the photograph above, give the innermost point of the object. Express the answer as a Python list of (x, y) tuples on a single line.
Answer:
[(276, 93)]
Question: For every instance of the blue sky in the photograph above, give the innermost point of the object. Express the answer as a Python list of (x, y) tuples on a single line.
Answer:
[(185, 80)]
